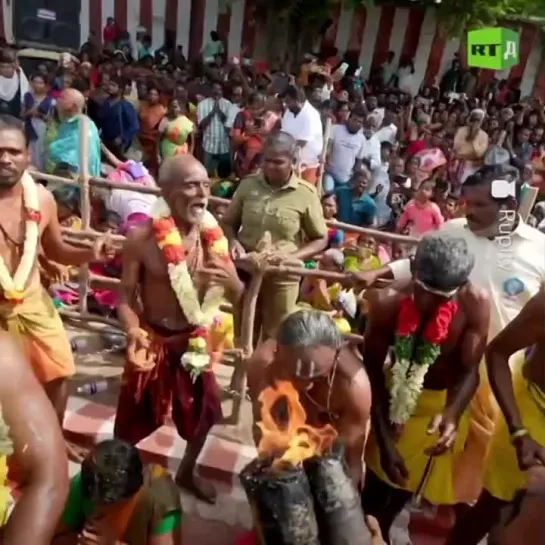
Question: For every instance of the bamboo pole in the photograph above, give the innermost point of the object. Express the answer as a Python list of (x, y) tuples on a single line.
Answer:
[(101, 182), (85, 205)]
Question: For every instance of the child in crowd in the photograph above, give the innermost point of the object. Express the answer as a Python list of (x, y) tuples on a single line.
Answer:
[(329, 208), (421, 215)]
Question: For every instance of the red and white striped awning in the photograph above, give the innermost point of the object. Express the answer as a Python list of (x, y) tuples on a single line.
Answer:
[(371, 31)]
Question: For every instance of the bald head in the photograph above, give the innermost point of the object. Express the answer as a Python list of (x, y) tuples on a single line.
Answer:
[(185, 186), (74, 97), (181, 168)]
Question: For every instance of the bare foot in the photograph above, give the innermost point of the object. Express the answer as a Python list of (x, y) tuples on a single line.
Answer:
[(195, 485), (74, 452)]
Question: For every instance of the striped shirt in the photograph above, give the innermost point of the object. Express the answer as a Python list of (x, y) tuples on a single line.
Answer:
[(215, 138)]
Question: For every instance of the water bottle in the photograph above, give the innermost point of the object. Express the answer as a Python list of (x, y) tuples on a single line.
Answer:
[(94, 387)]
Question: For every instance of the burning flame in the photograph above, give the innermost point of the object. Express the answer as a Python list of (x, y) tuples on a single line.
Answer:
[(296, 440)]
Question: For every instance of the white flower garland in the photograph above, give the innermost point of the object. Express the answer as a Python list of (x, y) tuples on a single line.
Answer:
[(406, 386), (187, 295), (13, 288)]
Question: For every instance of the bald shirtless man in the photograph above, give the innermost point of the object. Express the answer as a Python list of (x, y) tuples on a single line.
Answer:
[(438, 325), (331, 381), (30, 434), (518, 444), (162, 283), (28, 219)]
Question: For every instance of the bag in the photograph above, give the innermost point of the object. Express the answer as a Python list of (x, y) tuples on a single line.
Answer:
[(337, 502), (281, 505)]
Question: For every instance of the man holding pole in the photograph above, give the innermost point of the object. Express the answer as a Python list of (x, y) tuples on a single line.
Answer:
[(28, 219)]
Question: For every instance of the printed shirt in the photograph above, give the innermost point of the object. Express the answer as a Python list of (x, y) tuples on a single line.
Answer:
[(215, 137)]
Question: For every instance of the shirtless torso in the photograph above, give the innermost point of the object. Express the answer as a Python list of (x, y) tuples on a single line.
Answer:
[(145, 272), (460, 353), (342, 399)]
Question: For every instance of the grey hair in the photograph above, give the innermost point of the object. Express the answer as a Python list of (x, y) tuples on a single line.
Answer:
[(282, 141), (309, 328), (443, 262)]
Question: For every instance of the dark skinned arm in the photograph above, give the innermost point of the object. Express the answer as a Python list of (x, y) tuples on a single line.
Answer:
[(39, 451), (55, 248), (130, 277), (472, 350), (375, 350), (524, 331), (353, 428)]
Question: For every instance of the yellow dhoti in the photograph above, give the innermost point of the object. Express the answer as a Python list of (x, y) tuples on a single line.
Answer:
[(37, 326), (503, 478), (471, 464), (438, 486)]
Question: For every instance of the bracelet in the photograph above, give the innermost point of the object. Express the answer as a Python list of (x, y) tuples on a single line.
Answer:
[(517, 434)]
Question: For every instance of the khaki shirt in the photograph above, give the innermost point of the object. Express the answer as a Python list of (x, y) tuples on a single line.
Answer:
[(292, 214)]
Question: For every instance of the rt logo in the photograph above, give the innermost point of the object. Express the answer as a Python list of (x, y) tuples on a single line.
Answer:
[(493, 48), (501, 189)]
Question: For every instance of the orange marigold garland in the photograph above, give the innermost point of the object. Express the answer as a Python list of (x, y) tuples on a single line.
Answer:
[(203, 317)]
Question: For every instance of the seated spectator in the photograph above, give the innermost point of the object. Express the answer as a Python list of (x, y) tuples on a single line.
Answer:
[(124, 500), (62, 140)]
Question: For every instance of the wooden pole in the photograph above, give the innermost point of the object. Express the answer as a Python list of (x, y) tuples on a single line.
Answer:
[(85, 204), (323, 156)]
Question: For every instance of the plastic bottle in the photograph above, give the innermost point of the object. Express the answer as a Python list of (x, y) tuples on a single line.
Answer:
[(94, 387)]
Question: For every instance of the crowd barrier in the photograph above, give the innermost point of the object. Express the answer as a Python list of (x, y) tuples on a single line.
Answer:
[(245, 322)]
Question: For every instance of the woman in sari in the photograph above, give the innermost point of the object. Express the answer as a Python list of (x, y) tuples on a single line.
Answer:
[(250, 130), (177, 137), (151, 114), (37, 105)]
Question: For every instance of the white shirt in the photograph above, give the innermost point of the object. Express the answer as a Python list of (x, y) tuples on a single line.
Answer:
[(124, 203), (306, 126), (511, 275), (345, 149), (371, 151), (387, 134)]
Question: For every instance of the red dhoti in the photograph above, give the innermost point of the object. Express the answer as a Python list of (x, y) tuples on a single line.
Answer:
[(146, 398)]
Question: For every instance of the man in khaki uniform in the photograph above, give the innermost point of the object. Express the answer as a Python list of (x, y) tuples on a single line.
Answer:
[(278, 202)]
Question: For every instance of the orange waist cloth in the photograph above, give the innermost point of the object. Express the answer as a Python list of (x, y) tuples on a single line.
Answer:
[(146, 397), (37, 326)]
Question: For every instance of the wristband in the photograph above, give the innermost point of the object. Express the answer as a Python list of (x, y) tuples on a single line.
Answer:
[(518, 433)]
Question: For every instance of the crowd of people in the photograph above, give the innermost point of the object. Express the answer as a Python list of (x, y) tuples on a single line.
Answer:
[(298, 152)]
